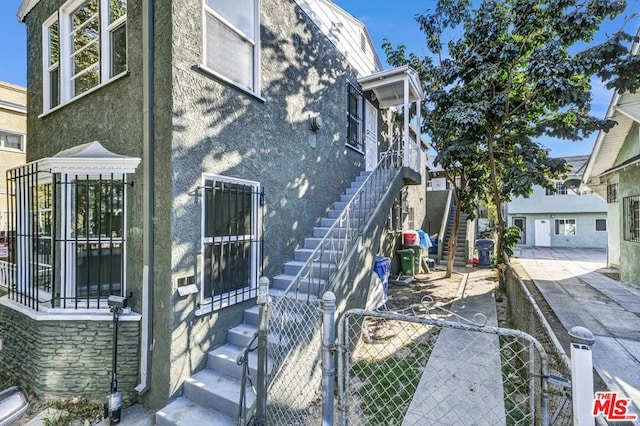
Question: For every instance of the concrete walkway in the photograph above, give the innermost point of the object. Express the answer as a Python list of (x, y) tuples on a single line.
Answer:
[(580, 296), (462, 382)]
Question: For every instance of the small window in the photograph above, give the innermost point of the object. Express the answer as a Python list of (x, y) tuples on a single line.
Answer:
[(12, 141), (565, 226), (631, 214), (232, 41), (601, 225), (560, 189), (612, 193), (354, 117)]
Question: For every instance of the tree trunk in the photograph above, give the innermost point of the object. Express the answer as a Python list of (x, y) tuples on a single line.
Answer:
[(499, 213), (453, 238)]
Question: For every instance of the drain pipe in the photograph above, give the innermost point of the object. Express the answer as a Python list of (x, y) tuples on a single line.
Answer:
[(146, 338)]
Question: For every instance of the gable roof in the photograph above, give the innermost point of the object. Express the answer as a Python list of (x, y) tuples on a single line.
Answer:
[(624, 109), (345, 32), (25, 8), (348, 34)]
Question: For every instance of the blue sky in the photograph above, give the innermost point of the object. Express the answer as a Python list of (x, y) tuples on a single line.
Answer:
[(383, 18)]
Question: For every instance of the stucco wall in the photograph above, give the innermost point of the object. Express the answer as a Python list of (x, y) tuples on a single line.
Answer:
[(68, 358), (436, 202), (629, 251), (586, 235), (219, 129), (15, 122)]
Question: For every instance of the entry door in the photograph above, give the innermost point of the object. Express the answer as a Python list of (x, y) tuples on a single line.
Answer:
[(371, 136), (543, 233), (520, 222)]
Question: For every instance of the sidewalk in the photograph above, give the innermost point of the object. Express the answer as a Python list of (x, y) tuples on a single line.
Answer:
[(580, 296), (462, 382)]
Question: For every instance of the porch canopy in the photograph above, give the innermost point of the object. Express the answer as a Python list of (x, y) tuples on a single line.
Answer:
[(399, 86), (89, 159)]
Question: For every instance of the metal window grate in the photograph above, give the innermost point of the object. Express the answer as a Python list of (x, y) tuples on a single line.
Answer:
[(66, 238), (612, 193), (631, 208), (354, 117), (232, 242)]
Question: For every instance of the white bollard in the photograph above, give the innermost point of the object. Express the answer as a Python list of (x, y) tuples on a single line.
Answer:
[(582, 376)]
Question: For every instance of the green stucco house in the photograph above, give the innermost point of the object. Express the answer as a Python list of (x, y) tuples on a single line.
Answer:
[(179, 151)]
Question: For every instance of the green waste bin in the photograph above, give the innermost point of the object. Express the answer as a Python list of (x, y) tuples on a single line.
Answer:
[(407, 261), (417, 257)]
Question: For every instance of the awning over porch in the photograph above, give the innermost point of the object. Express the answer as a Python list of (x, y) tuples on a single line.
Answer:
[(400, 86), (394, 87)]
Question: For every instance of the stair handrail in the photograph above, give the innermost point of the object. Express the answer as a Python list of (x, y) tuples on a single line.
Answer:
[(390, 161), (243, 361), (443, 225)]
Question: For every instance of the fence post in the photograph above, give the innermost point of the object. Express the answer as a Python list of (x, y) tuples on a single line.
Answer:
[(582, 375), (328, 362), (263, 332)]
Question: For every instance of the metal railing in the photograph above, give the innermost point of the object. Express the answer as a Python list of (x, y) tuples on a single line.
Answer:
[(315, 276), (445, 221), (295, 325)]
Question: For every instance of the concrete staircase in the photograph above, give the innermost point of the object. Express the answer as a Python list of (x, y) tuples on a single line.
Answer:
[(213, 394), (460, 257)]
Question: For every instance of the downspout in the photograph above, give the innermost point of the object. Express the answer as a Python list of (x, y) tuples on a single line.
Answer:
[(146, 338)]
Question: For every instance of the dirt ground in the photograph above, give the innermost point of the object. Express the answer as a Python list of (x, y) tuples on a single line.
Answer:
[(434, 285)]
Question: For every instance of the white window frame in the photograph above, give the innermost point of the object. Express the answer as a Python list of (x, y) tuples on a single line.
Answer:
[(596, 224), (207, 10), (255, 248), (65, 61), (564, 222), (23, 141)]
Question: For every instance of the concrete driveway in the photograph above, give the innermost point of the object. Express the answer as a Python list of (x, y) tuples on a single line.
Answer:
[(581, 296)]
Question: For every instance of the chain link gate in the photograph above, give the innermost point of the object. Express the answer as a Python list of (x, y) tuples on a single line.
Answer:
[(398, 369)]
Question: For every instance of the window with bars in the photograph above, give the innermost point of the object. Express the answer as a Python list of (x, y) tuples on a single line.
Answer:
[(231, 240), (631, 214), (612, 193), (84, 45), (67, 238), (354, 117)]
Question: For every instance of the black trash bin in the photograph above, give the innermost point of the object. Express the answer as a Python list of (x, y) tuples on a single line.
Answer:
[(485, 249)]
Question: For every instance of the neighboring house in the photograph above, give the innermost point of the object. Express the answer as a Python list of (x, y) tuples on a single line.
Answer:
[(13, 141), (564, 218), (613, 174), (179, 151)]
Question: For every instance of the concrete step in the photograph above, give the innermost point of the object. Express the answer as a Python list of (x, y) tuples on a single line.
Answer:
[(281, 282), (337, 232), (251, 315), (317, 269), (302, 254), (241, 335), (216, 391), (224, 358), (327, 222), (329, 244), (184, 412)]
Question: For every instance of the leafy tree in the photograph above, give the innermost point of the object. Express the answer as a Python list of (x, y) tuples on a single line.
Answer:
[(501, 75)]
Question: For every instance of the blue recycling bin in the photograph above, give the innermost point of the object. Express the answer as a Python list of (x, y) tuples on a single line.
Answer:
[(382, 267), (485, 249)]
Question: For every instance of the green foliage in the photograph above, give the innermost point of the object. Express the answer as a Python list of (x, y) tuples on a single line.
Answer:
[(511, 237), (506, 73)]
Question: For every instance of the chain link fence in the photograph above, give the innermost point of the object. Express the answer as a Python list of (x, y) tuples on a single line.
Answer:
[(409, 370), (295, 352), (527, 316)]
